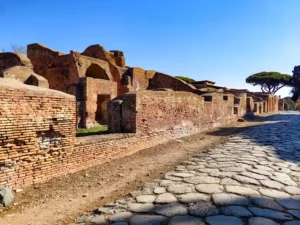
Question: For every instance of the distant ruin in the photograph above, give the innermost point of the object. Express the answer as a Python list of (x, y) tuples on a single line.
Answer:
[(47, 94)]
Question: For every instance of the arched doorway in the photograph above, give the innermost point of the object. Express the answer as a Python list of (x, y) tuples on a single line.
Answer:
[(97, 72)]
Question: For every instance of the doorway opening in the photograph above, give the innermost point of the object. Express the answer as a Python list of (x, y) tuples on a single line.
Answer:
[(101, 112)]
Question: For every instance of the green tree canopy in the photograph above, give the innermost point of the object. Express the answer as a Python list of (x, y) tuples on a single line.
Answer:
[(270, 81), (186, 79)]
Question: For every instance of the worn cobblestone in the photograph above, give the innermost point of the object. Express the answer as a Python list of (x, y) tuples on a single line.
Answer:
[(252, 179)]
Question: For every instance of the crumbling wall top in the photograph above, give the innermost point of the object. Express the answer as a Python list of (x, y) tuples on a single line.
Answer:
[(9, 59), (24, 75), (97, 51), (37, 46), (11, 84)]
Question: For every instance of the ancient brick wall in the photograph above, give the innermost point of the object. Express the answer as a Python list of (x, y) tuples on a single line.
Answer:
[(276, 103), (250, 105), (118, 57), (41, 57), (135, 79), (155, 111), (37, 129), (117, 68)]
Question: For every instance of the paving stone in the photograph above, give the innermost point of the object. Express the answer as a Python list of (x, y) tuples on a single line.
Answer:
[(289, 203), (208, 170), (183, 175), (159, 190), (261, 221), (272, 184), (245, 166), (264, 163), (236, 211), (261, 172), (192, 197), (265, 202), (185, 220), (202, 180), (135, 194), (201, 174), (222, 174), (98, 220), (232, 169), (166, 183), (84, 218), (181, 188), (147, 220), (295, 213), (145, 198), (108, 210), (195, 167), (229, 199), (171, 209), (269, 213), (165, 198), (283, 178), (229, 160), (229, 181), (241, 190), (254, 176), (220, 165), (248, 162), (120, 223), (292, 190), (282, 170), (139, 207), (295, 168), (292, 222), (246, 180), (147, 191), (296, 197), (273, 193), (169, 176), (223, 220), (202, 208), (209, 188), (273, 159), (284, 165), (120, 217), (266, 168)]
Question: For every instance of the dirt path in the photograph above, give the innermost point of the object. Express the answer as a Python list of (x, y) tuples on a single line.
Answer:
[(62, 200)]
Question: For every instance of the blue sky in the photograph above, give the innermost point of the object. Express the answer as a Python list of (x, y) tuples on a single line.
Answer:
[(220, 40)]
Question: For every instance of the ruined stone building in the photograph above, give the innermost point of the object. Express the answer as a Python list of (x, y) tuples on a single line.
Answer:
[(46, 95)]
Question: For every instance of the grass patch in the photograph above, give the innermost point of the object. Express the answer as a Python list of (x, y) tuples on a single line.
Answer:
[(102, 129)]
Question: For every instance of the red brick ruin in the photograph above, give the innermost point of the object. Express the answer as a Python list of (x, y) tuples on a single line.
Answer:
[(46, 95)]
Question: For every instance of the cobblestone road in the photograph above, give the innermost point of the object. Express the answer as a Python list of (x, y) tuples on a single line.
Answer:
[(254, 178)]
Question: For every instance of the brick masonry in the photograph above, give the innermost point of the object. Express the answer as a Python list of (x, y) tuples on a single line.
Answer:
[(38, 125), (155, 111)]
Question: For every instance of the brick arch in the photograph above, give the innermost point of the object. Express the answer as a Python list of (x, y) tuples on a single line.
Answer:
[(95, 71)]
